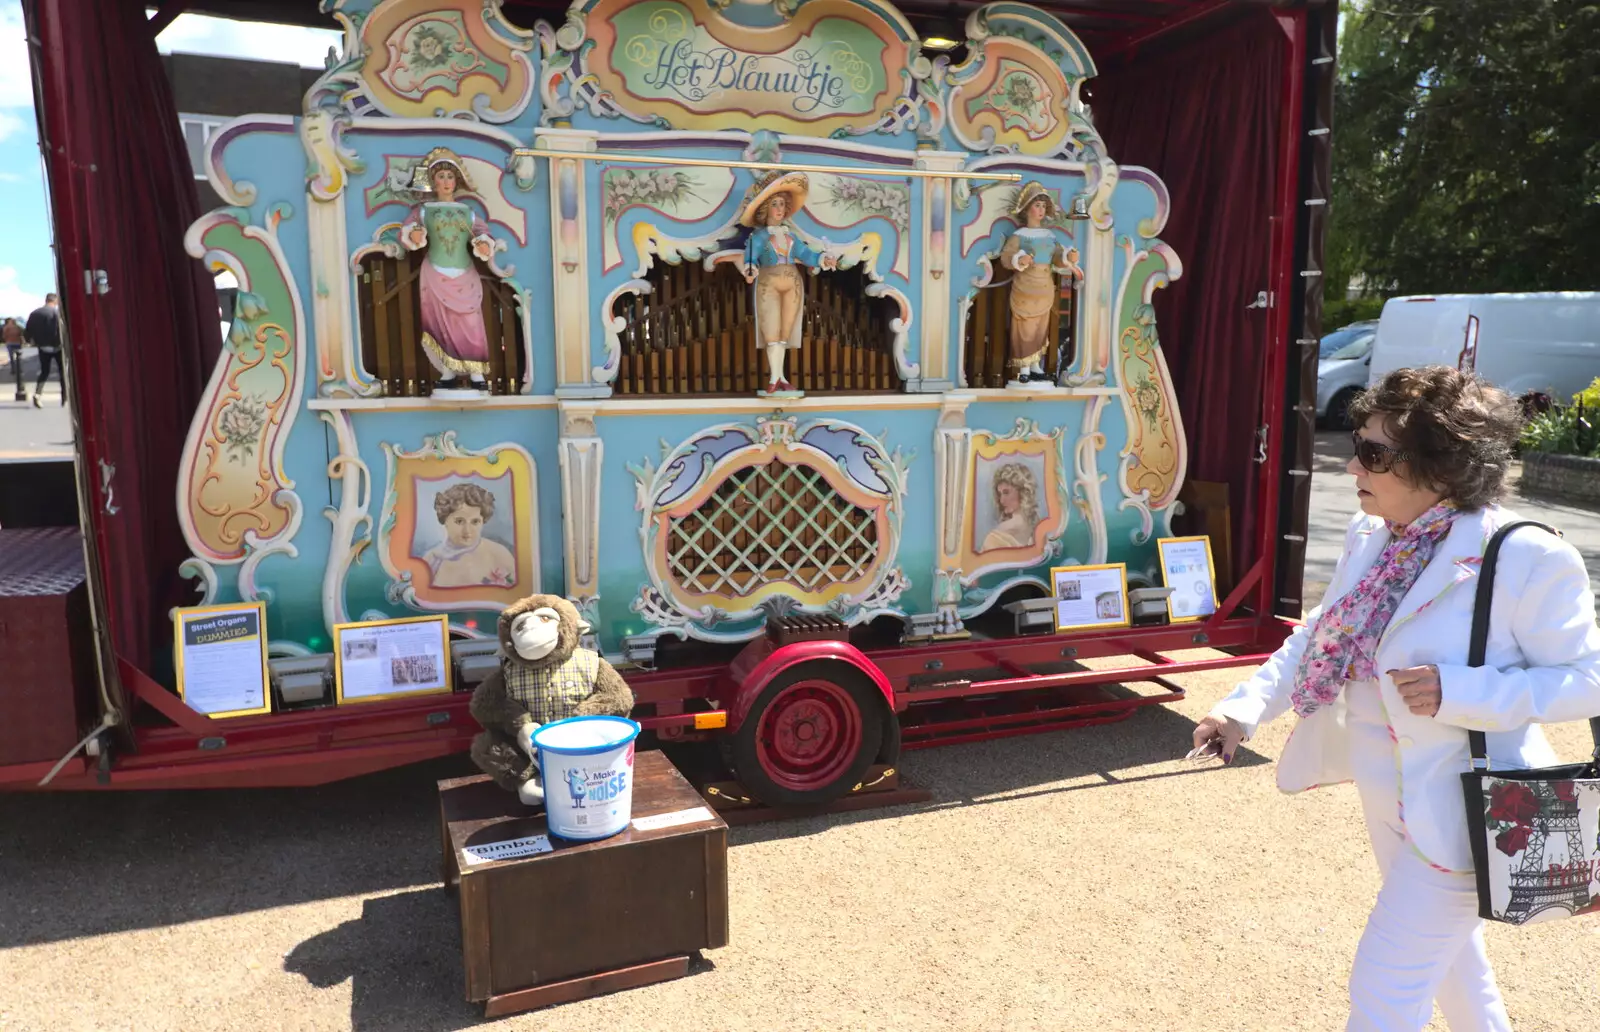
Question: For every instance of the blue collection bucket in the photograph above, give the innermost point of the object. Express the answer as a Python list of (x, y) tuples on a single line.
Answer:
[(586, 764)]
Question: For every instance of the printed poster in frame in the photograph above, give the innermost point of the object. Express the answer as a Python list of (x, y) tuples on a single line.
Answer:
[(376, 660), (1090, 597), (220, 656), (1187, 568)]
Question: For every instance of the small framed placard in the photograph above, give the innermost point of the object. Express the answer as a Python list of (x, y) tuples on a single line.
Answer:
[(391, 659), (1186, 568), (1090, 596), (220, 653)]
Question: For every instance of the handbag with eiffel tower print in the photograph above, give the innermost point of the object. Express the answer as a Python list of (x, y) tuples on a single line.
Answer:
[(1535, 833)]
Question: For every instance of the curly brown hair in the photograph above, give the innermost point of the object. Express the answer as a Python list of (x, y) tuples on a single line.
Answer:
[(453, 498), (1455, 432)]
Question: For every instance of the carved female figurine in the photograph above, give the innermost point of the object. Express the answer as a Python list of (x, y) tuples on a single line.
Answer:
[(1033, 253), (453, 333), (772, 258)]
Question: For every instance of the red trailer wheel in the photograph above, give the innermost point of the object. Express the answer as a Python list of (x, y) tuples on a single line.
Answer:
[(811, 735)]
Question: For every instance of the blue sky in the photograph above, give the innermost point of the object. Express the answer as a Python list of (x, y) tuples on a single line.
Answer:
[(27, 267)]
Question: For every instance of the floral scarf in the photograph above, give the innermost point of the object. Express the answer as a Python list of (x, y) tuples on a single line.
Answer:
[(1344, 641)]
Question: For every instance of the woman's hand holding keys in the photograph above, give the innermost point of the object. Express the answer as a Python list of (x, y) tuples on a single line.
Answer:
[(1213, 737)]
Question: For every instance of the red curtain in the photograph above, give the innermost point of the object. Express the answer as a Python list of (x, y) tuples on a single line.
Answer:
[(1207, 118), (141, 352)]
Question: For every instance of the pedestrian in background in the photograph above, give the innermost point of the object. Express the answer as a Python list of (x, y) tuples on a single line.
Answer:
[(1379, 680), (44, 332), (11, 333)]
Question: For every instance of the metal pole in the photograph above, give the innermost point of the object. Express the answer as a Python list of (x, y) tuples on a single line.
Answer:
[(914, 173)]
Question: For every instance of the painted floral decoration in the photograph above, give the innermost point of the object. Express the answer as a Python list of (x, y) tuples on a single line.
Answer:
[(1021, 100), (429, 48), (435, 53), (1147, 399), (864, 197), (655, 187), (240, 425), (1020, 93)]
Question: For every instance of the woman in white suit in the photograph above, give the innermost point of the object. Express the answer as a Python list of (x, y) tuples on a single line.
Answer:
[(1378, 679)]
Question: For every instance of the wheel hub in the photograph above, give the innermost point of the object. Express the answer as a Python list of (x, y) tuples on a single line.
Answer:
[(809, 734), (804, 729)]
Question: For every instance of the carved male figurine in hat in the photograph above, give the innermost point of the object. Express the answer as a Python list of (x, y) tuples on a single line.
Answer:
[(453, 334), (772, 258), (1036, 257)]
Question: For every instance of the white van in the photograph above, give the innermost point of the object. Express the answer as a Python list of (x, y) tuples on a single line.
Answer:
[(1524, 343)]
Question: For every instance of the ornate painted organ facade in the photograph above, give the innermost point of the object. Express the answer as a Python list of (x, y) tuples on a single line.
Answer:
[(616, 450)]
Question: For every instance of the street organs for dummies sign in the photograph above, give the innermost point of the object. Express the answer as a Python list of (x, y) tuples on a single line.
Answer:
[(220, 653), (835, 64)]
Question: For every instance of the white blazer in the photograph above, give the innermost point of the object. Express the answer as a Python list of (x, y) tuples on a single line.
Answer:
[(1542, 667)]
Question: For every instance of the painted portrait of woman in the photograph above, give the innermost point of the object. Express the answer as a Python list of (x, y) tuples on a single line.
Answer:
[(466, 557), (1016, 507), (453, 234)]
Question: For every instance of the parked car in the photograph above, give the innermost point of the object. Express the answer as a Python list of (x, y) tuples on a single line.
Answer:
[(1528, 344), (1342, 370)]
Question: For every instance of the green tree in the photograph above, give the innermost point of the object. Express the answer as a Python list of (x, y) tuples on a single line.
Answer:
[(1467, 147)]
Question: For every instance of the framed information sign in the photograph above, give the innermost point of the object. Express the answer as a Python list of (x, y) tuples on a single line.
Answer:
[(220, 653), (1186, 568), (391, 659), (1090, 596)]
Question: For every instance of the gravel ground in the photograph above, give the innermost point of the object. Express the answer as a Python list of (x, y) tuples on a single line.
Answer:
[(1084, 879)]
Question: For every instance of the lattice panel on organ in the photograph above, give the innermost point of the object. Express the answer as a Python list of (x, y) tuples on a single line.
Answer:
[(775, 523)]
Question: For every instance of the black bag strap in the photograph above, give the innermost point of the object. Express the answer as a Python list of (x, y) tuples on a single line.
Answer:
[(1479, 643)]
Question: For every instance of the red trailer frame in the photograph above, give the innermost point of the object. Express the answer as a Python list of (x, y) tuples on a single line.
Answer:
[(938, 693)]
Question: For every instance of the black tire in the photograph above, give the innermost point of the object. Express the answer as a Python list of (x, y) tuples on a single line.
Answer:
[(846, 696), (1339, 409), (889, 749)]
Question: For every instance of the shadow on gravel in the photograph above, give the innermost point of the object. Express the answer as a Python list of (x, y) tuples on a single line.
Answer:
[(92, 863), (85, 864), (402, 957), (1033, 765)]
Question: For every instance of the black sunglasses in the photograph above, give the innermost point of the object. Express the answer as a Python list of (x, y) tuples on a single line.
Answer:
[(1375, 457)]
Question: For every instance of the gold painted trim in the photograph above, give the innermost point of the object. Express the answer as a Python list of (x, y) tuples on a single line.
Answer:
[(678, 406), (260, 609), (1127, 617), (443, 620), (1211, 575), (841, 170), (423, 404), (458, 366)]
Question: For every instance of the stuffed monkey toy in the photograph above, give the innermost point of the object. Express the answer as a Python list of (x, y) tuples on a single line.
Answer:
[(544, 676)]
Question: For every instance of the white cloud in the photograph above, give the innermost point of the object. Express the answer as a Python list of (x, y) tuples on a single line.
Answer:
[(16, 82), (10, 122), (14, 301), (223, 37)]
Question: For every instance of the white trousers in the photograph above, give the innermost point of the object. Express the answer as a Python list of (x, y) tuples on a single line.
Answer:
[(1424, 939)]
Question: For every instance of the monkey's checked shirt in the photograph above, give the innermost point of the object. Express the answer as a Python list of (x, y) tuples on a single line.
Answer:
[(552, 693)]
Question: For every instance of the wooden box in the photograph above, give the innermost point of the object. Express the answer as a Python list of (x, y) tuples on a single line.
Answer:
[(46, 645), (587, 917)]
